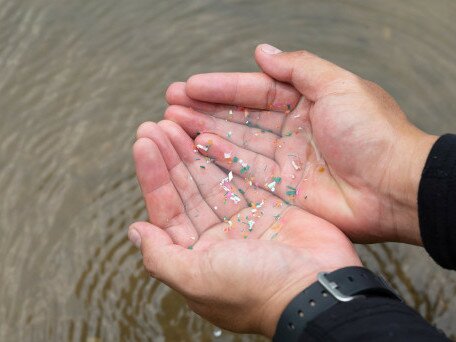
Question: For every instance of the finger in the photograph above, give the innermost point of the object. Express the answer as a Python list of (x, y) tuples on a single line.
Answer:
[(254, 90), (212, 182), (267, 120), (195, 123), (176, 95), (172, 264), (309, 74), (199, 212), (163, 203)]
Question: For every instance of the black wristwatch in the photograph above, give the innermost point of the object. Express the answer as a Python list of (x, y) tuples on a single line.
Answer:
[(343, 285)]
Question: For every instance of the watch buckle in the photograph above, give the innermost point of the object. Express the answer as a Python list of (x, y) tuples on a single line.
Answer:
[(332, 288)]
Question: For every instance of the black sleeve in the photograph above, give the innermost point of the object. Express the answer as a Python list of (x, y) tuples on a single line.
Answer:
[(437, 202), (371, 319), (383, 319)]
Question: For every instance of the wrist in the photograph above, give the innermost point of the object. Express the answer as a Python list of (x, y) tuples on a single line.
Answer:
[(405, 175), (274, 308)]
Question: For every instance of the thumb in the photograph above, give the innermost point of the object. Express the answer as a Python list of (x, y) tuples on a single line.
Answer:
[(170, 263), (308, 73)]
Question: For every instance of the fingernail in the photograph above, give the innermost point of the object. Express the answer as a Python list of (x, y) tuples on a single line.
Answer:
[(134, 237), (269, 49)]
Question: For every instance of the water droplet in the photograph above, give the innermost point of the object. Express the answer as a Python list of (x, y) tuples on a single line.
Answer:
[(217, 332)]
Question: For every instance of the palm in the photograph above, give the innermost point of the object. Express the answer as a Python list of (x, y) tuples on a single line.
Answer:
[(192, 198)]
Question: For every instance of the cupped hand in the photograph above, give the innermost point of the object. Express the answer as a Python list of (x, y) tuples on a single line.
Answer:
[(237, 253), (314, 135)]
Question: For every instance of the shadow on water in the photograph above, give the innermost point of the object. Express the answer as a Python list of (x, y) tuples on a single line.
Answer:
[(77, 78)]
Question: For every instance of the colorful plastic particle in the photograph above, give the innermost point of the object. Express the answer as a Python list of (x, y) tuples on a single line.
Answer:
[(291, 191)]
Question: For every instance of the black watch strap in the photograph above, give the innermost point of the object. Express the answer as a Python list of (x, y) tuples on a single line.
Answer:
[(342, 285)]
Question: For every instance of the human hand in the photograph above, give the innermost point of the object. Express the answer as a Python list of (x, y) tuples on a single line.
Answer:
[(341, 145), (199, 241)]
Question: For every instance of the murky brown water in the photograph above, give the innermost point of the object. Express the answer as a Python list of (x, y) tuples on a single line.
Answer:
[(77, 77)]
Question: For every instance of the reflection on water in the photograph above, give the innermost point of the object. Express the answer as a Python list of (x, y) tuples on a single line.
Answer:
[(77, 77)]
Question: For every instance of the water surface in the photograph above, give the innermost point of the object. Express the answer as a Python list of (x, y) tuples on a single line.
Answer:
[(77, 78)]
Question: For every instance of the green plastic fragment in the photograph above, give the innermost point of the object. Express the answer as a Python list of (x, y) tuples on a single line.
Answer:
[(245, 169), (235, 159)]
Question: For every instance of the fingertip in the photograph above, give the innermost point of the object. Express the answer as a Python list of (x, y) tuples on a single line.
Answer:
[(267, 49), (173, 112), (168, 126), (145, 129), (148, 231), (205, 139), (147, 159), (199, 86), (142, 146), (174, 92), (193, 81), (134, 236)]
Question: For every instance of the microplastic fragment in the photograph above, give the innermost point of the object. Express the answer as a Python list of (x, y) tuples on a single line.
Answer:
[(229, 194), (245, 169), (227, 155), (202, 166), (230, 112), (251, 223), (277, 179), (271, 186), (229, 134), (235, 159), (204, 148), (296, 166), (241, 191), (291, 192), (289, 134)]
